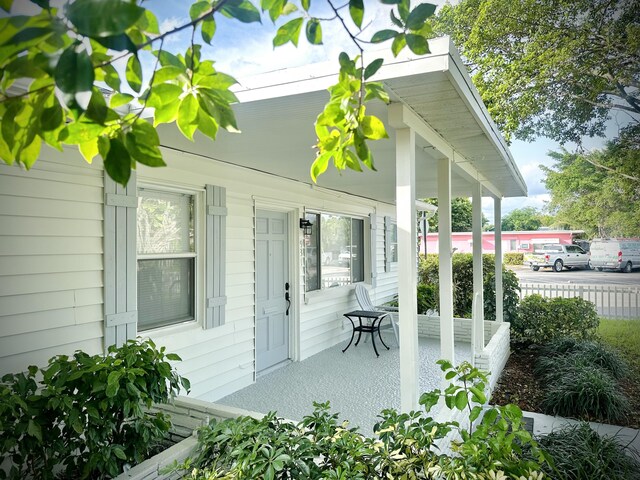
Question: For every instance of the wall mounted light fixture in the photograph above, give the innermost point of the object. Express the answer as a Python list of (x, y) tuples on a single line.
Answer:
[(306, 227)]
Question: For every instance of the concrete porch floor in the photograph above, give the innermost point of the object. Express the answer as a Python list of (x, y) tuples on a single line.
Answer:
[(358, 385)]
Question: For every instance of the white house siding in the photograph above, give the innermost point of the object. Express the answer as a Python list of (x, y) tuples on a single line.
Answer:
[(50, 260), (51, 267), (220, 361)]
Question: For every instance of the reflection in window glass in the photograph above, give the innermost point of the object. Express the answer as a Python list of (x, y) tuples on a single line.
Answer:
[(393, 243), (334, 253), (166, 258)]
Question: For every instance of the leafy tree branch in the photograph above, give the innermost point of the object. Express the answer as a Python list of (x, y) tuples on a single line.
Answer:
[(57, 64)]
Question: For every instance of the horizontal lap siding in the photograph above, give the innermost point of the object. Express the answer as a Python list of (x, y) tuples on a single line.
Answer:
[(50, 260)]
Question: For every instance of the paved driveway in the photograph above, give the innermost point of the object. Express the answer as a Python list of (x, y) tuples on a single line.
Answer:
[(588, 277)]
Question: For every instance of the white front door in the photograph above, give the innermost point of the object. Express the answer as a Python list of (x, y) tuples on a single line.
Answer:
[(272, 292)]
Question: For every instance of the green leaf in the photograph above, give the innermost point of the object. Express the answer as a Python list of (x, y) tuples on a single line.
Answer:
[(319, 165), (30, 36), (173, 357), (103, 18), (373, 128), (396, 21), (242, 10), (6, 5), (117, 164), (314, 32), (384, 35), (305, 4), (198, 9), (80, 132), (111, 77), (207, 124), (188, 116), (356, 10), (372, 68), (29, 154), (403, 9), (119, 99), (167, 58), (52, 117), (478, 395), (34, 430), (475, 413), (419, 15), (289, 32), (118, 452), (119, 43), (461, 400), (142, 144), (208, 29), (74, 72), (417, 43), (490, 416), (398, 44), (134, 73), (89, 150), (97, 109)]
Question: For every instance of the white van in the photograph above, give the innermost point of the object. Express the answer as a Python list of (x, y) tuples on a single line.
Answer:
[(621, 254)]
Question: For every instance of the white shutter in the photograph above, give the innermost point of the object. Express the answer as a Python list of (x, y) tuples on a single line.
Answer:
[(215, 262), (120, 269)]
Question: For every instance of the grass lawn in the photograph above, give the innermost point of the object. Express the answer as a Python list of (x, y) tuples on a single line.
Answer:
[(624, 335)]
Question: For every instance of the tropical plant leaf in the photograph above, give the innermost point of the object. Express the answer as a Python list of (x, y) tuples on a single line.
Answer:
[(117, 163), (241, 10), (289, 32), (419, 15), (103, 18), (133, 73), (356, 10), (314, 32)]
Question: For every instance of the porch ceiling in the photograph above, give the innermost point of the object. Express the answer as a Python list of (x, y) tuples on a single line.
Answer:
[(277, 112)]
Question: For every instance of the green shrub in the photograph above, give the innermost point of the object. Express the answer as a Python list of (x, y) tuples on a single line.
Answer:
[(86, 412), (510, 299), (540, 320), (320, 447), (513, 258), (583, 352), (579, 453), (462, 269), (584, 391), (427, 297)]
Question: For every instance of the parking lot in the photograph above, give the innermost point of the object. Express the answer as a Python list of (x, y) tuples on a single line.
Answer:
[(587, 277)]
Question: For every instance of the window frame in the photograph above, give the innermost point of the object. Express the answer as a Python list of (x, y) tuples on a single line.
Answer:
[(197, 197), (364, 248), (390, 224)]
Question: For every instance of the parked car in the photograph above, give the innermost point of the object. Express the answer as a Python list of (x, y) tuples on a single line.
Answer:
[(349, 253), (615, 254), (557, 256)]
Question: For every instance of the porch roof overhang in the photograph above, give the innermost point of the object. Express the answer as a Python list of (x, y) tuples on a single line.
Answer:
[(432, 94)]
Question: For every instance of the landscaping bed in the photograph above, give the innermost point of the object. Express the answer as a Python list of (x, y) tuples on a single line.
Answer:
[(519, 385)]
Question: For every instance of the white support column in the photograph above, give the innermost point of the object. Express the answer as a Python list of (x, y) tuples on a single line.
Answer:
[(407, 271), (445, 261), (478, 278), (497, 220)]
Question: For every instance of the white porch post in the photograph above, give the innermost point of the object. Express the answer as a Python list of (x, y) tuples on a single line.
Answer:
[(478, 278), (497, 220), (407, 269), (445, 262)]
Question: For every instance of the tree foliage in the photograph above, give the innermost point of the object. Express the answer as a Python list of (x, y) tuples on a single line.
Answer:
[(555, 68), (59, 84), (461, 215), (586, 196), (521, 219)]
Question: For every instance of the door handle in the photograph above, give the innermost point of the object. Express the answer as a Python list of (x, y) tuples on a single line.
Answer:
[(287, 297)]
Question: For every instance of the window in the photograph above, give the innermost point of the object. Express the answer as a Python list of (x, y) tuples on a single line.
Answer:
[(334, 253), (391, 243), (512, 245), (166, 258)]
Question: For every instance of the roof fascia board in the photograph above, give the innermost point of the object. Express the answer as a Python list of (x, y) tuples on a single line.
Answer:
[(462, 82), (401, 116)]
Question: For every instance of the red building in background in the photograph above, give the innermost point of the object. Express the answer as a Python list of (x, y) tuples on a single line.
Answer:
[(511, 241)]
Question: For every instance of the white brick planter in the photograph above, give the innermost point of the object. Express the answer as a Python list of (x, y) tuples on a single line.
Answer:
[(187, 414)]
